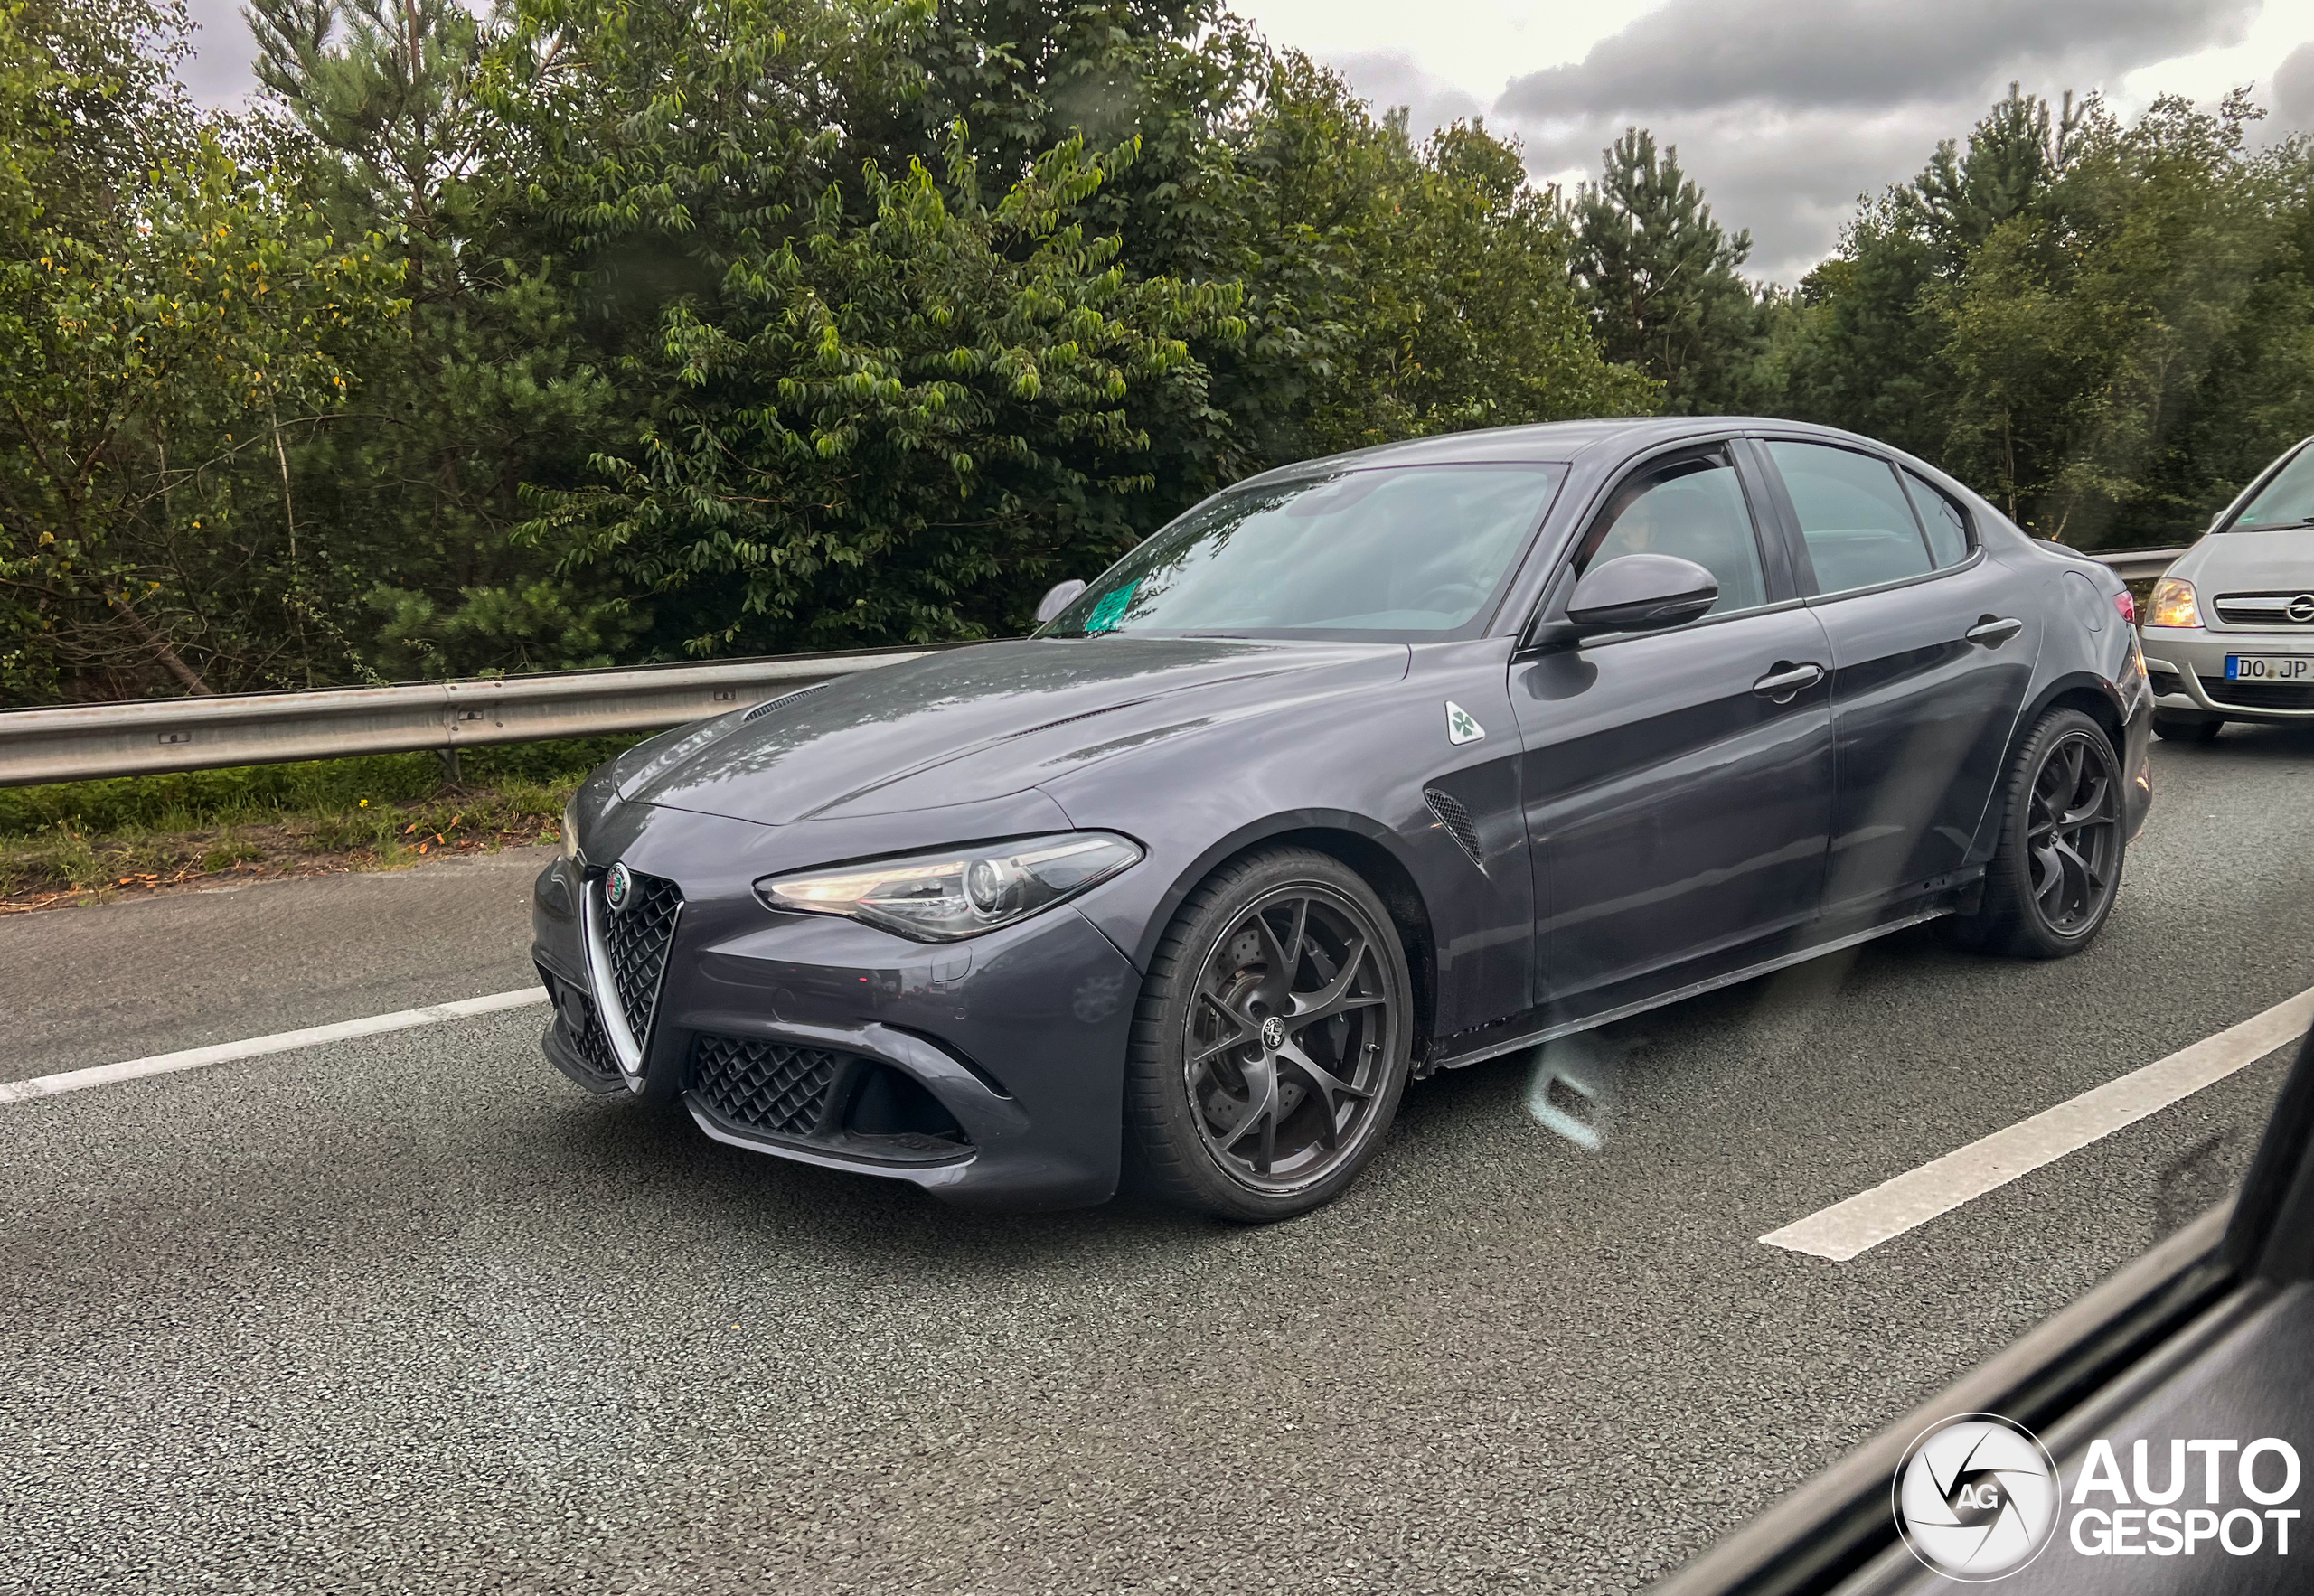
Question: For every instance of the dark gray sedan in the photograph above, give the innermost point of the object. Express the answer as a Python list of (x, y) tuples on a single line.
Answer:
[(1365, 768)]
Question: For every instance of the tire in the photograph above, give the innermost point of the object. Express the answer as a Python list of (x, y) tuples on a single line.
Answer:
[(2057, 868), (2177, 727), (1256, 1099)]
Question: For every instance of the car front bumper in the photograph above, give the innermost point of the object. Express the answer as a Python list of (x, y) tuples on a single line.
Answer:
[(989, 1071), (2186, 667)]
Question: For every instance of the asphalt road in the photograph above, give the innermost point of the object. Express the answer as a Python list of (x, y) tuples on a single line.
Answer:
[(412, 1314)]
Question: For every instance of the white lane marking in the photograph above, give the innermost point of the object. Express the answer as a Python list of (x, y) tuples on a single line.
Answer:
[(164, 1063), (1913, 1198)]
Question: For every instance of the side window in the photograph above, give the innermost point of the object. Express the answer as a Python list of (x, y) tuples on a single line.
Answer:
[(1947, 522), (1694, 508), (1859, 529)]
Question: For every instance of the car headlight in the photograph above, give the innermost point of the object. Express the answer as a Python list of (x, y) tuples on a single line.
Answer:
[(959, 893), (570, 828), (2173, 605)]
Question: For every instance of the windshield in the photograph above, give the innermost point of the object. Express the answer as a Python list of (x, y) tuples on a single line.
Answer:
[(1411, 552), (2288, 501)]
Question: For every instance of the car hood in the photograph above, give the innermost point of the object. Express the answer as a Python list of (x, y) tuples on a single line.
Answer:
[(972, 724), (2252, 562)]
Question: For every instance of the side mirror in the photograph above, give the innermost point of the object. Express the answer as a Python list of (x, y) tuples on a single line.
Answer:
[(1641, 593), (1058, 599)]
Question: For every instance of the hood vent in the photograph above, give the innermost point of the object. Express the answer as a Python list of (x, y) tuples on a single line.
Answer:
[(768, 705), (1458, 823)]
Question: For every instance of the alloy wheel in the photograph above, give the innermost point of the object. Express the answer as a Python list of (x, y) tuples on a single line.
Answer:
[(1289, 1038), (2072, 834)]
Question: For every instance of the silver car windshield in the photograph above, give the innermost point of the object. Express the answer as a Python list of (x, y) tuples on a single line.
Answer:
[(2288, 501), (1408, 552)]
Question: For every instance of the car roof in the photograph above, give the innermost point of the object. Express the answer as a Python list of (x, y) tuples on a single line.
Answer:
[(1546, 443)]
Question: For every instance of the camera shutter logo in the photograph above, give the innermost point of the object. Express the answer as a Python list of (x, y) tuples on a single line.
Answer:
[(1976, 1498)]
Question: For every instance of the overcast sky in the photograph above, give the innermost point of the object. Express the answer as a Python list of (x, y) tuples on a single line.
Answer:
[(1785, 110)]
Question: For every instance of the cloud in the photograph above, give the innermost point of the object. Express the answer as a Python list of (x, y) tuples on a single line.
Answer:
[(2292, 92), (1859, 55), (1787, 111), (224, 50), (1388, 79)]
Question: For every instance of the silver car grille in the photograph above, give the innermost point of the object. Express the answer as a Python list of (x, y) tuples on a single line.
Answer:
[(2266, 610)]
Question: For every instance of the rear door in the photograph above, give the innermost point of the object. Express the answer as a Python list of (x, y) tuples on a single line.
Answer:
[(1678, 785), (1933, 651)]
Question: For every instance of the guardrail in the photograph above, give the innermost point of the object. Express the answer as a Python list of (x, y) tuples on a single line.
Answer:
[(155, 734), (2135, 565), (150, 735)]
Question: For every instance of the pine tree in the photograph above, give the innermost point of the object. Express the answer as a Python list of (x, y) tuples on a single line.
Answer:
[(1659, 276)]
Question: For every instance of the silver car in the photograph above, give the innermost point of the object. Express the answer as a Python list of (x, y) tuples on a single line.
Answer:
[(2230, 633)]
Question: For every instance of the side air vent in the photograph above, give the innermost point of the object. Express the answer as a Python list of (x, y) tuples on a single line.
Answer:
[(1458, 823), (768, 705)]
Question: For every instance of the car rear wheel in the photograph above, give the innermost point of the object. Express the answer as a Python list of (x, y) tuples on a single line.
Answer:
[(1272, 1041), (2178, 726), (2057, 868)]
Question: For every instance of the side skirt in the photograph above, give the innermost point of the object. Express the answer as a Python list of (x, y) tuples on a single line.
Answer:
[(1568, 1028)]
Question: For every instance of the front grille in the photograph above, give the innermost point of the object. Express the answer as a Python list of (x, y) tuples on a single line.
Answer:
[(2259, 695), (591, 1043), (1457, 820), (2266, 610), (768, 1086), (636, 938)]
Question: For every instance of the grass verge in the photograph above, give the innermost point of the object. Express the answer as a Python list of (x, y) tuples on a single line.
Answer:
[(78, 842)]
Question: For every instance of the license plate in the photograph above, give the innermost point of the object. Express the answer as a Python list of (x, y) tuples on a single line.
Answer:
[(2270, 667)]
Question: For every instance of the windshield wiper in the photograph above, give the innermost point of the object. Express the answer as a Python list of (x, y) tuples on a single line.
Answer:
[(2271, 526)]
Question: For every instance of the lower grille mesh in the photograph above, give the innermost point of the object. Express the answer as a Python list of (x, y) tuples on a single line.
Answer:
[(592, 1043), (769, 1086), (2260, 695)]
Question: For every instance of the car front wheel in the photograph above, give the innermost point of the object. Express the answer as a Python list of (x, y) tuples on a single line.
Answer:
[(2057, 868), (1272, 1038)]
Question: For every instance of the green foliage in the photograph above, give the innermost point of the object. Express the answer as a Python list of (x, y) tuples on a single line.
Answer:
[(2106, 328), (157, 334), (578, 333), (196, 799)]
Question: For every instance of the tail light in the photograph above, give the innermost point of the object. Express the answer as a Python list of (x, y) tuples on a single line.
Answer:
[(2127, 606)]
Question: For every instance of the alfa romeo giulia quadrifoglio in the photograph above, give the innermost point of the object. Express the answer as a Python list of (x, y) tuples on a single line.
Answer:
[(1363, 769)]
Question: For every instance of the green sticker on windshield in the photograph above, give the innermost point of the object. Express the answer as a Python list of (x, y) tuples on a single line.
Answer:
[(1111, 609)]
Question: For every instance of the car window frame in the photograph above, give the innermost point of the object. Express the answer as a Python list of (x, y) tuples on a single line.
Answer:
[(1971, 542), (1796, 543), (1775, 565)]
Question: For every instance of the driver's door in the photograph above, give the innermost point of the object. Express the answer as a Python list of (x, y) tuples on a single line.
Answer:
[(1678, 785)]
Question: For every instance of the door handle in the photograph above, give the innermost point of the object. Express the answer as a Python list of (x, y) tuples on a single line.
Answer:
[(1785, 685), (1993, 631)]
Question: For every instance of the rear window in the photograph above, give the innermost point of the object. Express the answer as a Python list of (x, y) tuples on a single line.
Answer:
[(1853, 514)]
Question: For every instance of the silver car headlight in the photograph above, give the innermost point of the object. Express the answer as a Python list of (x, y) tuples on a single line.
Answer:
[(961, 892), (570, 828)]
